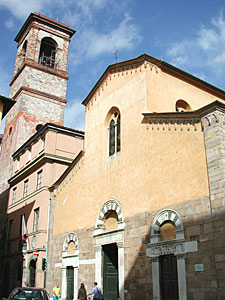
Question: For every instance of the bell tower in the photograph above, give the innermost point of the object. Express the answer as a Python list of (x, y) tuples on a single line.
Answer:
[(38, 84)]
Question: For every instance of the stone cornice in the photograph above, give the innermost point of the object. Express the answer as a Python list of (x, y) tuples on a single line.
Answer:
[(41, 19), (33, 64), (46, 96), (160, 120)]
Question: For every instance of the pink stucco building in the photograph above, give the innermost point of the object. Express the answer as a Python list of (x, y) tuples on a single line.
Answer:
[(36, 165)]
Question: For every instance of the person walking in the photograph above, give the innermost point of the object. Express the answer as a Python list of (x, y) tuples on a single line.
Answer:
[(56, 292), (82, 294), (96, 292)]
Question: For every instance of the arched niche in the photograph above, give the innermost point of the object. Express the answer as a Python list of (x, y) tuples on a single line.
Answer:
[(110, 208), (164, 216), (182, 106), (71, 239)]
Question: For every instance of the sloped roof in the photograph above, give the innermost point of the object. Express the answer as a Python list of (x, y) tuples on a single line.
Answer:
[(165, 67), (8, 103), (44, 20)]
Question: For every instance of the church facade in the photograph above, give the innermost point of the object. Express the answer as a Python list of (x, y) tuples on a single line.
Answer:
[(141, 209)]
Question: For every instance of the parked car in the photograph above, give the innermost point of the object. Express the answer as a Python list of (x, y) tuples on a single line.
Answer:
[(23, 293)]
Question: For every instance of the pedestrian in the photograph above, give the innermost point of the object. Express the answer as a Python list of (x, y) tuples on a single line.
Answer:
[(82, 294), (96, 291), (56, 292)]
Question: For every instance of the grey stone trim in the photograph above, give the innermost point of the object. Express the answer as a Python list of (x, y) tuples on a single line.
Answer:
[(162, 216), (178, 247), (70, 237), (110, 204)]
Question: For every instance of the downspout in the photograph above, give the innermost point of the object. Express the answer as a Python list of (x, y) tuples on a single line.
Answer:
[(47, 236)]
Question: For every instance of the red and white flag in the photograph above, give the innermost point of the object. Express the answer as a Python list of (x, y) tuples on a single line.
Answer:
[(24, 231)]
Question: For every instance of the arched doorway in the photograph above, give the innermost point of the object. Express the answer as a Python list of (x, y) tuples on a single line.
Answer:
[(32, 273), (70, 264), (109, 250), (167, 250)]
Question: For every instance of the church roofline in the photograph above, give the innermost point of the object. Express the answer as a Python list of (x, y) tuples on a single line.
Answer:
[(165, 67), (46, 21)]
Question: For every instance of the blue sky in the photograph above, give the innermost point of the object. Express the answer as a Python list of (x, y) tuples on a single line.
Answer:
[(188, 34)]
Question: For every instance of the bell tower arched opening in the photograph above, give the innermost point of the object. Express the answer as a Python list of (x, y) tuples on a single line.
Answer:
[(47, 52)]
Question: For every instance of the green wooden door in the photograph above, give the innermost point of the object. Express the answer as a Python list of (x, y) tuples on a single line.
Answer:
[(110, 272), (70, 283), (169, 278)]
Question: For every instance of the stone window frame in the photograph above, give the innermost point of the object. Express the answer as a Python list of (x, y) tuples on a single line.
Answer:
[(177, 246), (71, 260), (102, 238), (113, 117)]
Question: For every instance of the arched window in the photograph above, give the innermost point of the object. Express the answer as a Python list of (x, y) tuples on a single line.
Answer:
[(47, 52), (114, 134), (182, 106), (24, 50)]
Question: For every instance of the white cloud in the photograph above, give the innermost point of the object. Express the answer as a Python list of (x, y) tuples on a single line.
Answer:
[(91, 44), (9, 24), (124, 37), (21, 9), (205, 50), (75, 115)]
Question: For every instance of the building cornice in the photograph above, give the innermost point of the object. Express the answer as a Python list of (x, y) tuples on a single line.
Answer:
[(36, 163), (182, 119), (46, 96), (33, 64), (37, 17), (44, 188), (44, 129), (186, 115)]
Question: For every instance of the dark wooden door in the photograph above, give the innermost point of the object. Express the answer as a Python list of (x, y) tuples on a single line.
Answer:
[(70, 283), (169, 278), (32, 273), (110, 272)]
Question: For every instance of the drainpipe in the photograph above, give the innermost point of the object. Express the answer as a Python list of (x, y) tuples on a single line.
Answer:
[(47, 237)]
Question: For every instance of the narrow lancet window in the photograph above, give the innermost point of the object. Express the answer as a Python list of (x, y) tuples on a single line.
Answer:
[(114, 134), (112, 137)]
